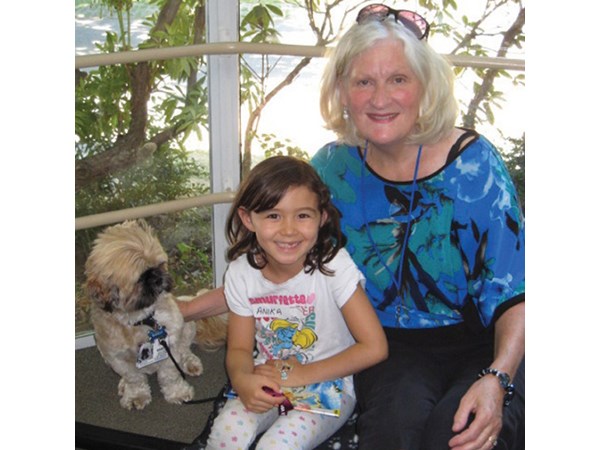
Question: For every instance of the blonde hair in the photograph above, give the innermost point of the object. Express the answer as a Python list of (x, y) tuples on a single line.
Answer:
[(303, 338), (438, 107)]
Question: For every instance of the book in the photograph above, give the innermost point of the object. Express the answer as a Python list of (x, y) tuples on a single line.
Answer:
[(319, 398)]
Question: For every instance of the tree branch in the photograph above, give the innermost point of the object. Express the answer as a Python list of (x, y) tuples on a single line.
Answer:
[(129, 149), (255, 114), (468, 38), (510, 37)]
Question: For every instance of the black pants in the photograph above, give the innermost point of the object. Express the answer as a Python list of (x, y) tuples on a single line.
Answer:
[(408, 402)]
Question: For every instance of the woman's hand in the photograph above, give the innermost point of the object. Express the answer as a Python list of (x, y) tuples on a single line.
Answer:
[(485, 400)]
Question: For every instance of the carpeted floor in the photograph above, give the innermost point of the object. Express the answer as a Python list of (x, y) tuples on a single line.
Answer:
[(102, 424), (98, 413)]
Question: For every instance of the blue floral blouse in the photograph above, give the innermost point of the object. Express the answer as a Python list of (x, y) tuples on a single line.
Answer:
[(464, 260)]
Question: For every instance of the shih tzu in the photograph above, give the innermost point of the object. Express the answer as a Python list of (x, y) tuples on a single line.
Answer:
[(139, 329)]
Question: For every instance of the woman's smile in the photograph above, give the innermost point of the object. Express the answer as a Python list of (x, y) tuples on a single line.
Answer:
[(383, 94)]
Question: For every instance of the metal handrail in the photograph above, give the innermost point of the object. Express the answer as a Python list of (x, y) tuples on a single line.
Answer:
[(227, 48), (96, 220)]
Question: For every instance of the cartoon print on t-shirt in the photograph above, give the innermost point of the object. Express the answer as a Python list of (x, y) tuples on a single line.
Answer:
[(292, 339)]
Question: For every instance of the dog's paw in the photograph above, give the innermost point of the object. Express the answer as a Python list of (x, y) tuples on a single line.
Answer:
[(192, 365), (178, 392), (134, 396)]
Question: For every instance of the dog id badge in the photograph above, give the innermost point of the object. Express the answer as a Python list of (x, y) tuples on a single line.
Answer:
[(150, 353)]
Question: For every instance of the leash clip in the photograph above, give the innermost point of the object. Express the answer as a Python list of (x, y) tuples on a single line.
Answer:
[(159, 333)]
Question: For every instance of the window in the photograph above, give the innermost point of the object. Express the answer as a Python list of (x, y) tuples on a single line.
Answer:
[(182, 168)]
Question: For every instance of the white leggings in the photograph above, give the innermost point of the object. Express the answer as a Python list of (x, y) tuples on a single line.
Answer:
[(236, 428)]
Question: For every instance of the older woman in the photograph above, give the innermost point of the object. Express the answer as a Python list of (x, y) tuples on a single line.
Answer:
[(433, 221)]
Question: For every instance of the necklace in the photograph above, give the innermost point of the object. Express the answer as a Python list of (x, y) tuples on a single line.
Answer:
[(397, 283)]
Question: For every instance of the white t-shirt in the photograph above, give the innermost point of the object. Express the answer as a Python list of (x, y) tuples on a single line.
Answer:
[(301, 317)]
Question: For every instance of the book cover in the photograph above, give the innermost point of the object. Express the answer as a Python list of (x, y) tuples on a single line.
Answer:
[(319, 398)]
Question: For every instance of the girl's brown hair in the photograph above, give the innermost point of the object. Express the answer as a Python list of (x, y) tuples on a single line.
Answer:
[(264, 187)]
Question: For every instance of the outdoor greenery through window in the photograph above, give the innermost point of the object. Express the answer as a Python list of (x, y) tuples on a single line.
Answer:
[(141, 130)]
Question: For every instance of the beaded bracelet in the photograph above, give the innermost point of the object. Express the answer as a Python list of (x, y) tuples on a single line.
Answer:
[(504, 379)]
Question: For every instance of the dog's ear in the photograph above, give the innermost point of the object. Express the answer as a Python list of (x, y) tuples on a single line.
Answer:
[(105, 298)]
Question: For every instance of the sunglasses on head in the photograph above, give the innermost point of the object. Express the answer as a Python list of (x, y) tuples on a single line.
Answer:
[(411, 20)]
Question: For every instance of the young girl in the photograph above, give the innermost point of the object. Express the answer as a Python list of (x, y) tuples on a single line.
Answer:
[(296, 296)]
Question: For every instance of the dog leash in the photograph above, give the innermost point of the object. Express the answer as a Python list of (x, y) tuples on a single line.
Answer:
[(202, 400), (163, 342), (159, 333)]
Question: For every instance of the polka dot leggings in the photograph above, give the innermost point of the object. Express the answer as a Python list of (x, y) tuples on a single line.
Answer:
[(235, 428)]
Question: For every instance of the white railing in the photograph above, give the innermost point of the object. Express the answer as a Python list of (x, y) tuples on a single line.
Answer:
[(229, 48), (139, 212), (226, 48)]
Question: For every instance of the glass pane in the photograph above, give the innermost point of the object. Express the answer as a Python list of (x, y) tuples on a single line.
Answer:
[(141, 138), (280, 94), (290, 120)]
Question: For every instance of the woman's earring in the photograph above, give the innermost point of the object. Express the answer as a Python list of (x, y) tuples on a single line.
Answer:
[(345, 114)]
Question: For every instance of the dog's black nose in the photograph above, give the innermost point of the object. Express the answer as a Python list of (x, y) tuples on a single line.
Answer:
[(155, 281)]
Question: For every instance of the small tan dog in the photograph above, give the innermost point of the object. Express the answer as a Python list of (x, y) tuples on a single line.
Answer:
[(139, 328)]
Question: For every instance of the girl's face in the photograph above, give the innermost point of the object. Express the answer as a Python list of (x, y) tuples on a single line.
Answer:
[(382, 94), (286, 232)]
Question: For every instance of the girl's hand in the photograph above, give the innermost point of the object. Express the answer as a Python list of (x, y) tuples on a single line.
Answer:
[(286, 372), (268, 370), (250, 391), (240, 366)]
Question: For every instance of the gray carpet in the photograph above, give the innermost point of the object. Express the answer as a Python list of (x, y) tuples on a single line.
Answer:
[(97, 402)]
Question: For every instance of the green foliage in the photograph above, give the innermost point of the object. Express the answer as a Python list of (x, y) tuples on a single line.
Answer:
[(191, 267), (478, 35), (178, 33), (436, 4), (103, 113), (514, 157), (171, 174), (103, 96), (258, 25), (101, 108), (189, 110), (272, 146)]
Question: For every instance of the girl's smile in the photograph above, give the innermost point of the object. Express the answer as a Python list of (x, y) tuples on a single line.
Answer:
[(287, 232)]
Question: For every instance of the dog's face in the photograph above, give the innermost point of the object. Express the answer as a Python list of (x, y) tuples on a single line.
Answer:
[(127, 268)]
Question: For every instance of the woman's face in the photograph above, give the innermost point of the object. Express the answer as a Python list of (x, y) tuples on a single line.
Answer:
[(382, 94)]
